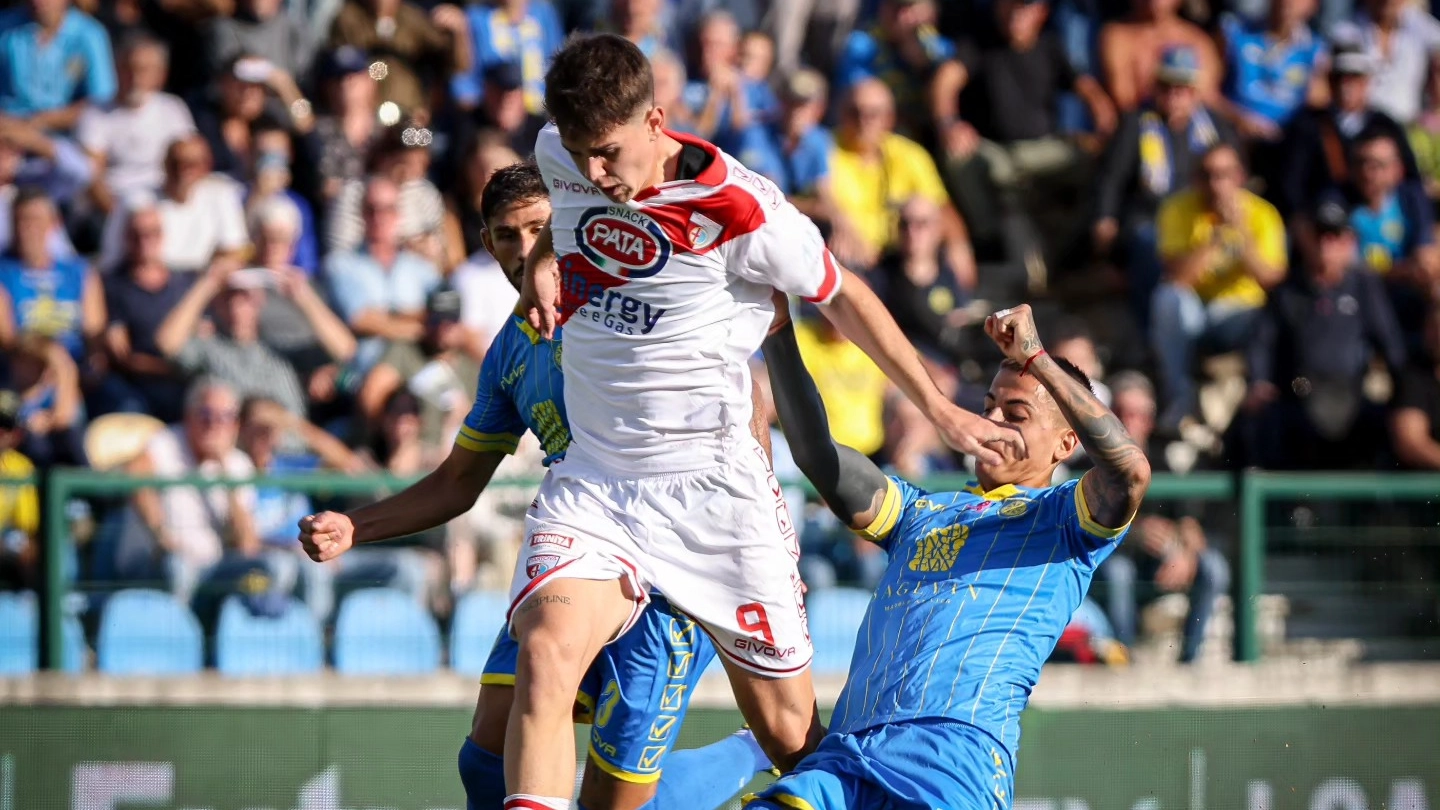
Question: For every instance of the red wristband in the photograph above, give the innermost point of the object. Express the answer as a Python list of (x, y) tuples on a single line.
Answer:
[(1025, 369)]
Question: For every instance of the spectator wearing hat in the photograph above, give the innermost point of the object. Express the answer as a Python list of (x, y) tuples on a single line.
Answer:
[(261, 28), (504, 107), (19, 505), (139, 295), (54, 166), (349, 126), (1222, 247), (906, 52), (1399, 37), (522, 34), (805, 144), (1132, 49), (127, 137), (1315, 152), (1272, 69), (251, 93), (416, 52), (1006, 153), (56, 296), (1415, 410), (1154, 151), (1311, 351), (232, 352), (55, 61)]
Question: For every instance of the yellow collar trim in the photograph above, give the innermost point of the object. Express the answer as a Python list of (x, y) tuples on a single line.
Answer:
[(999, 493), (524, 324)]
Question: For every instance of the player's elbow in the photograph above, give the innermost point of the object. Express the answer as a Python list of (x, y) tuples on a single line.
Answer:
[(1135, 475)]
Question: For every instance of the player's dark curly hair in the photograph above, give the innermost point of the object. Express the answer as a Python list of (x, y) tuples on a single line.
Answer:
[(516, 184), (1065, 365), (596, 83)]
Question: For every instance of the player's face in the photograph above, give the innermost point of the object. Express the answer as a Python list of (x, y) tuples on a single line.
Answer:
[(1019, 400), (510, 234), (623, 161)]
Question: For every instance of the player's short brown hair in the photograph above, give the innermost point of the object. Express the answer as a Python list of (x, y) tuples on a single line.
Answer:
[(596, 83)]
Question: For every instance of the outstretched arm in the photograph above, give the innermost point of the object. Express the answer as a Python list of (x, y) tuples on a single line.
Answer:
[(1115, 486), (852, 486)]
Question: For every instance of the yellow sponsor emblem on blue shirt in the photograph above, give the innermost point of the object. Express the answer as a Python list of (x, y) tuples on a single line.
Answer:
[(1015, 507), (938, 550)]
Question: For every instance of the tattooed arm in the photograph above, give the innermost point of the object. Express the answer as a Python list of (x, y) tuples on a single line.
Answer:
[(1114, 488)]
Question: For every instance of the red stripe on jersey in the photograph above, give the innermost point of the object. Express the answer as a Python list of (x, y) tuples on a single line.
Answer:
[(830, 283), (712, 175), (734, 209), (524, 804)]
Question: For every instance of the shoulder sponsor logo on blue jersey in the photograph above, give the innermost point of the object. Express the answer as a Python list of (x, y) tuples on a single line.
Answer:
[(622, 242)]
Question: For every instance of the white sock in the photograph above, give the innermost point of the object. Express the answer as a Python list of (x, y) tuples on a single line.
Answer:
[(524, 801)]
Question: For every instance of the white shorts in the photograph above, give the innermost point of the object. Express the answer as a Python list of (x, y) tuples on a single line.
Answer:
[(718, 543)]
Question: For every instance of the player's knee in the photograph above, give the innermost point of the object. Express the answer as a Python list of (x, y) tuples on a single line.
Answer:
[(549, 668), (788, 735)]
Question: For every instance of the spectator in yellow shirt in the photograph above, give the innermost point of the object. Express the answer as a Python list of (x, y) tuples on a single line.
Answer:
[(19, 504), (873, 172), (852, 386), (1222, 248)]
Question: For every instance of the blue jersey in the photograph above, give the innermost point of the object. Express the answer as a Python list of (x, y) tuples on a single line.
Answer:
[(1382, 235), (1265, 77), (520, 388), (979, 588), (49, 300)]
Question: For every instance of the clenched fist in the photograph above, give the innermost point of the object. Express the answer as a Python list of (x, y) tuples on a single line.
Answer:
[(326, 536)]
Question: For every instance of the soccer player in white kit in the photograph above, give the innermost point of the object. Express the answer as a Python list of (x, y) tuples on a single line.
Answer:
[(668, 253)]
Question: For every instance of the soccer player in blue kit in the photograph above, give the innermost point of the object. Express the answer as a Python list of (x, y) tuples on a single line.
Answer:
[(979, 587), (636, 693)]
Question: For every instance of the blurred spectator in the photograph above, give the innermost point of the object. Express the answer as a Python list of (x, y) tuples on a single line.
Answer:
[(139, 295), (438, 370), (729, 107), (1415, 411), (1071, 339), (260, 28), (417, 53), (1154, 151), (1009, 153), (380, 289), (402, 158), (203, 214), (52, 406), (810, 32), (757, 56), (670, 83), (1425, 132), (917, 64), (270, 178), (181, 533), (1399, 36), (351, 127), (873, 172), (19, 505), (488, 150), (504, 107), (243, 108), (54, 61), (487, 298), (805, 145), (56, 296), (1131, 51), (1171, 553), (1223, 247), (1311, 352), (1318, 142), (919, 289), (1272, 69), (638, 21), (231, 352), (522, 34), (127, 137), (852, 386), (295, 322), (31, 159)]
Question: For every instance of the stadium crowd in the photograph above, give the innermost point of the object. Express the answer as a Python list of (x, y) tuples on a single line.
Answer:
[(253, 227)]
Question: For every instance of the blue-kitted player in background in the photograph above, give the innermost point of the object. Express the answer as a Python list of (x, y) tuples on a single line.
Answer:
[(979, 587), (637, 692)]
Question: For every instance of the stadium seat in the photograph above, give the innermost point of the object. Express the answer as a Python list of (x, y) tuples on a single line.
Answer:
[(19, 633), (835, 617), (248, 645), (74, 649), (479, 618), (380, 631), (146, 632)]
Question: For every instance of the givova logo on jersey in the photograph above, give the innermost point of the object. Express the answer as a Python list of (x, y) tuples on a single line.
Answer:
[(622, 241)]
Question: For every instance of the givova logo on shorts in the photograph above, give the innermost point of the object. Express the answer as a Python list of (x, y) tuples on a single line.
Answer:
[(623, 242)]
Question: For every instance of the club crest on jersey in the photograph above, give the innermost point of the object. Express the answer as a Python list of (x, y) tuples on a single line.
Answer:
[(622, 242), (540, 563), (703, 231), (1015, 507)]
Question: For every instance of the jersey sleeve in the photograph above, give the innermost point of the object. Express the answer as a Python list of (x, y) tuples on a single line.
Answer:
[(890, 522), (786, 250), (1076, 523), (493, 424)]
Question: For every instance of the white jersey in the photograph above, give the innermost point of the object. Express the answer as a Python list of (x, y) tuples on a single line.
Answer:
[(665, 299)]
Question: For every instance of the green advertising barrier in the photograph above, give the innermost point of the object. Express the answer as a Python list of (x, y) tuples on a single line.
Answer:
[(1311, 758)]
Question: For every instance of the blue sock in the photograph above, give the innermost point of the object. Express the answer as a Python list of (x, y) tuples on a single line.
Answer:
[(483, 775), (706, 778)]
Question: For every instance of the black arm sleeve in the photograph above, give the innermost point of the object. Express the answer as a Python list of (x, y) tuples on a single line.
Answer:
[(847, 480)]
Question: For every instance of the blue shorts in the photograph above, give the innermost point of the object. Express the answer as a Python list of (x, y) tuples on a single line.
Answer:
[(914, 765), (636, 693)]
